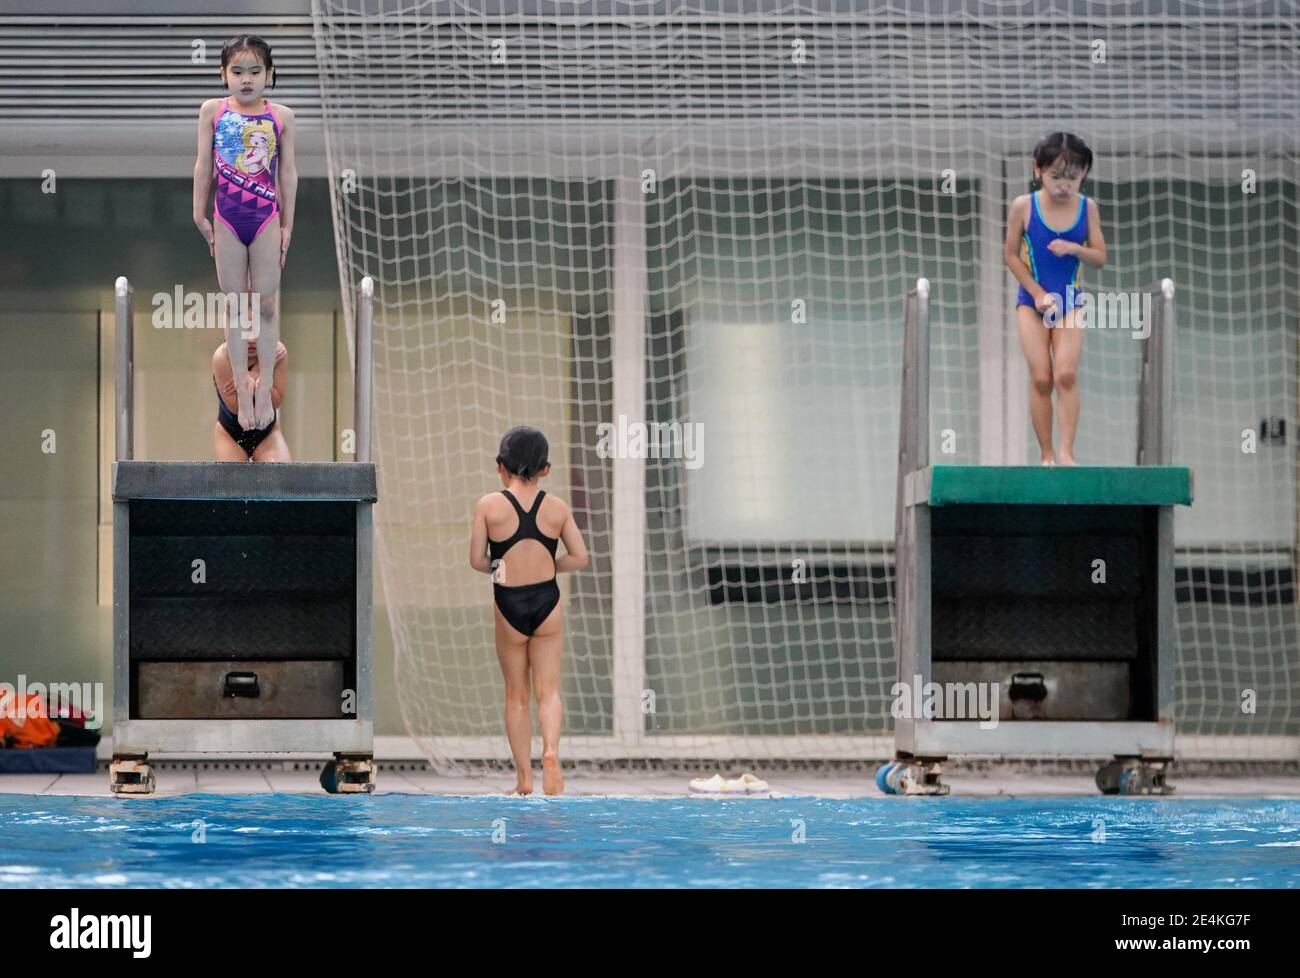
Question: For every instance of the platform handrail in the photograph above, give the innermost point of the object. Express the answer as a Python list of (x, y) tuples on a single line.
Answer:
[(124, 391), (365, 367), (1155, 444), (914, 413)]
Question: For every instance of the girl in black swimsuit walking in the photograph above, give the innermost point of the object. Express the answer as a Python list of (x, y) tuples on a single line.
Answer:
[(514, 539)]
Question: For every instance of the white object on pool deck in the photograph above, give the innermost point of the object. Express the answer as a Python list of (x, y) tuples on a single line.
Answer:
[(715, 785), (746, 784), (752, 785)]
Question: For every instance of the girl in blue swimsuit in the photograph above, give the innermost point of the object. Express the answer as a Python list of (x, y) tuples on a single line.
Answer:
[(1050, 233), (514, 539)]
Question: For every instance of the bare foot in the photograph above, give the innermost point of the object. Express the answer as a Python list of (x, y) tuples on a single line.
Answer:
[(552, 779), (263, 408), (1048, 459), (521, 789), (247, 415), (1067, 459)]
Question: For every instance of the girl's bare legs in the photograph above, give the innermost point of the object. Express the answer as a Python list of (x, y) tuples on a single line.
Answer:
[(512, 654), (264, 273), (232, 279), (273, 448), (224, 447), (1067, 348), (1034, 340), (544, 655)]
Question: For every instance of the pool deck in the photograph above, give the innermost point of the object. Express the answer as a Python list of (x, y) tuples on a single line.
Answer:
[(192, 780)]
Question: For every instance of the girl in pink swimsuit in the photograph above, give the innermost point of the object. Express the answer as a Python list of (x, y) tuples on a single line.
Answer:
[(246, 148)]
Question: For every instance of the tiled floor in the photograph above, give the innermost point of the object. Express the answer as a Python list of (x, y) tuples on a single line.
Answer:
[(179, 781)]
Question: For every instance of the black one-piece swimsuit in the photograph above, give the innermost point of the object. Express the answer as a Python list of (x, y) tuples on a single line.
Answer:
[(527, 605), (247, 440)]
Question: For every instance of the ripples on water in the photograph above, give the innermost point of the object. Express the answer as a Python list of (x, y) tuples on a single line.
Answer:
[(409, 840)]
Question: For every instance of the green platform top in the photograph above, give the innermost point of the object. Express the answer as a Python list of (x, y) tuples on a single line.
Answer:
[(1071, 485)]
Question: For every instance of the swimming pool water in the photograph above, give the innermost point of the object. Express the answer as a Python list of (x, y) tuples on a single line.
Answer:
[(418, 840)]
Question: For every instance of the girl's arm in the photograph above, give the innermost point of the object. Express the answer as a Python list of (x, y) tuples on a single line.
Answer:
[(203, 172), (1094, 251), (221, 371), (287, 177), (280, 376), (227, 378), (478, 538), (575, 556), (1011, 249)]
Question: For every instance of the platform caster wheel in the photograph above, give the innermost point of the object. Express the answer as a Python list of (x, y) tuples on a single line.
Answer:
[(882, 777), (912, 776), (131, 775), (349, 774)]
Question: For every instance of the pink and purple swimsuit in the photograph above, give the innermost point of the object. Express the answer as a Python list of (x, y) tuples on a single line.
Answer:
[(245, 199)]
